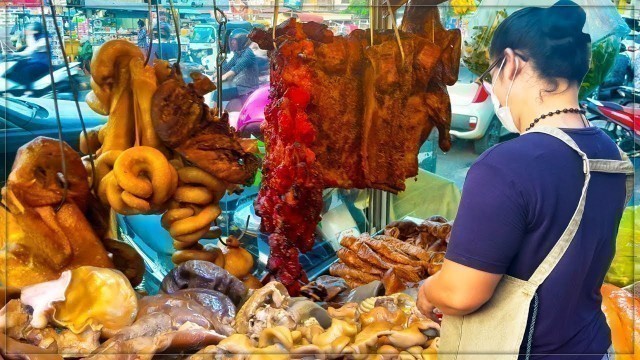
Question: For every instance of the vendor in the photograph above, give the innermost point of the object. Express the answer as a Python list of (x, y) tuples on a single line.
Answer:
[(527, 196)]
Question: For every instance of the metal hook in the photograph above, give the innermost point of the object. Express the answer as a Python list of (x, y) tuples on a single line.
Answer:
[(177, 27), (215, 222), (371, 21), (222, 20), (74, 91), (149, 34), (158, 27), (395, 29), (246, 227), (55, 105)]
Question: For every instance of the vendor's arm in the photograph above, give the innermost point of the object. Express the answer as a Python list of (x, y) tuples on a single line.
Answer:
[(486, 236), (458, 289)]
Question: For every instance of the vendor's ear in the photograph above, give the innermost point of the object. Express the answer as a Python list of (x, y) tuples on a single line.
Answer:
[(513, 64)]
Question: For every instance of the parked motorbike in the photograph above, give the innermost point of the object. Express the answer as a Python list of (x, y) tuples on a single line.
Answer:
[(629, 95), (620, 75), (620, 122), (42, 86)]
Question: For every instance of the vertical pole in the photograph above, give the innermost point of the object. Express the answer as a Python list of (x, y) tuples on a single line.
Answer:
[(158, 27)]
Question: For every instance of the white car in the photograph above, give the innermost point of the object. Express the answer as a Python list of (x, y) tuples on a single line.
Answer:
[(473, 117)]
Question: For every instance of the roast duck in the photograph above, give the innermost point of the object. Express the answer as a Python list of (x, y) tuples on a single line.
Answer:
[(348, 114)]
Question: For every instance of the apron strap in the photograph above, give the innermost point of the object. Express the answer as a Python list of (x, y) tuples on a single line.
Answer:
[(558, 250), (623, 166)]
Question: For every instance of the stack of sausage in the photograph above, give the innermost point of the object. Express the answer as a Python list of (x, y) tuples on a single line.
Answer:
[(404, 255)]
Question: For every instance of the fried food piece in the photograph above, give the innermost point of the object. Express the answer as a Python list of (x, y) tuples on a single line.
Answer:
[(437, 251), (406, 229), (408, 249), (35, 179), (344, 271), (392, 283), (383, 248), (439, 230), (351, 259), (365, 253)]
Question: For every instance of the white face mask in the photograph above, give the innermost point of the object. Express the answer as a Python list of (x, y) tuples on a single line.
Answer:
[(504, 113)]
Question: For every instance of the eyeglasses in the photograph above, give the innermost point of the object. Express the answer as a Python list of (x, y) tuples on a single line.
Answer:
[(486, 78)]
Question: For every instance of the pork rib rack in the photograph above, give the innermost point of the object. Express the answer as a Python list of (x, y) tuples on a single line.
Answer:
[(346, 114)]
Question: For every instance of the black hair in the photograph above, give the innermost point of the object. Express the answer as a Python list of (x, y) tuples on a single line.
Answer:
[(551, 38), (140, 23)]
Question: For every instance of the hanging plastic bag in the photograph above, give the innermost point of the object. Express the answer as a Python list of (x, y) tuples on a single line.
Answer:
[(625, 264), (604, 24)]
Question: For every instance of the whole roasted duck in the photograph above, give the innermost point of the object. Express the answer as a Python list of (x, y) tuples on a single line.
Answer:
[(349, 114)]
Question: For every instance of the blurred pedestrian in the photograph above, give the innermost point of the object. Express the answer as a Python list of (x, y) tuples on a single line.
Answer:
[(85, 54), (167, 50), (143, 41), (33, 61)]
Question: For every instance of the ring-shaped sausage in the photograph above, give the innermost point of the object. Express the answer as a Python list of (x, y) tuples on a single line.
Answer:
[(104, 164), (202, 220), (173, 215), (197, 176), (145, 172), (135, 202), (198, 195), (113, 194)]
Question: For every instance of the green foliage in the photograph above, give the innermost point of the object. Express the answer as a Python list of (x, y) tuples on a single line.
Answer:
[(358, 8)]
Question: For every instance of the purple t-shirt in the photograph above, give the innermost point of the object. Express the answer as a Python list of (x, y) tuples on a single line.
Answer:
[(517, 200)]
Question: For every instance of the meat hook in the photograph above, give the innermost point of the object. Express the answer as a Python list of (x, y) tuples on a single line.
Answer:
[(74, 91), (65, 189), (176, 24)]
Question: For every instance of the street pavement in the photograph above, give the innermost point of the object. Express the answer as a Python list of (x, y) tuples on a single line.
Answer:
[(455, 163)]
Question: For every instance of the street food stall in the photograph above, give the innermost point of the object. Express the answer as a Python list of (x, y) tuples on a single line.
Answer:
[(167, 174)]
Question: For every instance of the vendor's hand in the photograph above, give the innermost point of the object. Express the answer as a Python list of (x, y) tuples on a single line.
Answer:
[(426, 308)]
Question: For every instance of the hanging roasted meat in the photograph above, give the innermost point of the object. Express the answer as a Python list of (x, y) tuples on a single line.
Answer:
[(345, 113), (185, 124)]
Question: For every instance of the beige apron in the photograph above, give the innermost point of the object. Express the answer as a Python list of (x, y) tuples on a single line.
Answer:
[(497, 329)]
